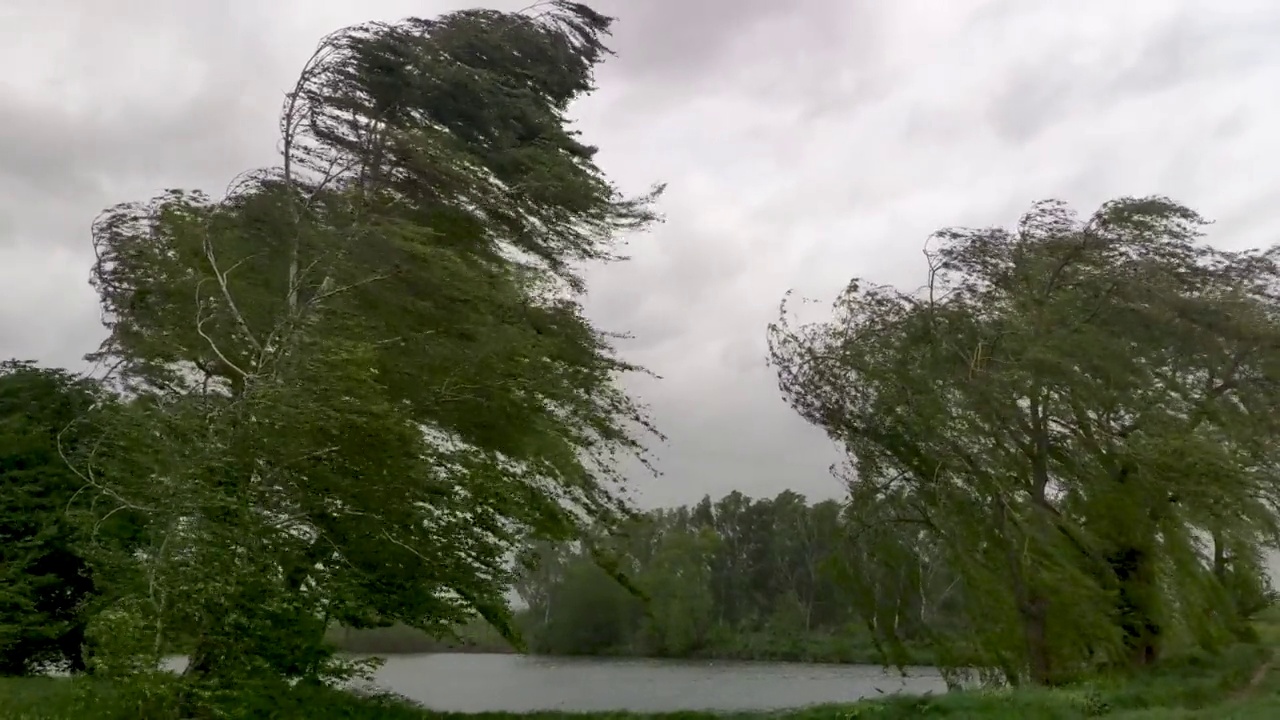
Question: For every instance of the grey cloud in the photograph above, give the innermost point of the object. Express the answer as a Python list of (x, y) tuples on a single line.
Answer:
[(669, 52), (1231, 125), (804, 143), (663, 40), (65, 163), (1188, 46), (48, 312), (1031, 102), (1167, 56), (1072, 73), (729, 431), (686, 266)]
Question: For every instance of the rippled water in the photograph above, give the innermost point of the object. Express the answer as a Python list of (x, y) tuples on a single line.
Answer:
[(479, 683)]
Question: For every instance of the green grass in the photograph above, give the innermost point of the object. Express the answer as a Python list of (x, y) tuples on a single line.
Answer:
[(31, 700)]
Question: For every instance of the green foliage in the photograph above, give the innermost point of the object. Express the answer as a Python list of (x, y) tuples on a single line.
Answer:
[(1059, 418), (362, 380), (473, 90), (48, 581), (476, 636), (764, 579), (677, 581), (590, 614)]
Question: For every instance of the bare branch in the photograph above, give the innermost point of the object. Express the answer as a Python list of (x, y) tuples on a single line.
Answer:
[(200, 321), (323, 294), (87, 475), (221, 277)]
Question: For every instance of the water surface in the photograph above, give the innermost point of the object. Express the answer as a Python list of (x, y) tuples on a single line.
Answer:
[(471, 682)]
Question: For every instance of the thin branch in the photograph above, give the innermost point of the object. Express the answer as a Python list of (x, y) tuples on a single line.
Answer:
[(221, 277), (345, 288), (200, 321), (87, 475)]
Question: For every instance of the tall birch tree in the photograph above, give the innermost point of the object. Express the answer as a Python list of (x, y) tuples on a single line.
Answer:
[(365, 374)]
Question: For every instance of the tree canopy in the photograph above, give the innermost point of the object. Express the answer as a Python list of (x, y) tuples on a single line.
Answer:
[(736, 577), (1077, 414), (49, 537), (364, 377)]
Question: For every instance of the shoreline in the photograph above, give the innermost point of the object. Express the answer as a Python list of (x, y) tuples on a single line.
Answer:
[(1244, 692), (858, 655), (699, 659), (1240, 682)]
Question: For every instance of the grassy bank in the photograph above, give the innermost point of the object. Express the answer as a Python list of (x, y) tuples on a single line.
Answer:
[(1238, 683)]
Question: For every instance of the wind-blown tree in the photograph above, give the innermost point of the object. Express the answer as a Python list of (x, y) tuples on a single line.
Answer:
[(1064, 413), (366, 373)]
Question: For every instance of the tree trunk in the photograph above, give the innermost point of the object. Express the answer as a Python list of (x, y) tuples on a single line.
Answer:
[(1033, 609), (1035, 614), (207, 658), (1219, 557), (1138, 604)]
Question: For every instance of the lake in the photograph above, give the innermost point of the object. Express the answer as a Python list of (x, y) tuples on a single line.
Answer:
[(480, 682)]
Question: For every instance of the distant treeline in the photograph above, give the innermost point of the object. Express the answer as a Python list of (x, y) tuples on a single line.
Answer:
[(740, 578), (476, 637)]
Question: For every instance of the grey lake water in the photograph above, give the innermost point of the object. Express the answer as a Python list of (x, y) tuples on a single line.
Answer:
[(515, 683), (478, 682)]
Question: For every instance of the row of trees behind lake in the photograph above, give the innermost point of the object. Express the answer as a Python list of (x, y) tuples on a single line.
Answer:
[(737, 577)]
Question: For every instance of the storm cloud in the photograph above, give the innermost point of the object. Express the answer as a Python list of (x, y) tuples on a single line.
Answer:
[(803, 143)]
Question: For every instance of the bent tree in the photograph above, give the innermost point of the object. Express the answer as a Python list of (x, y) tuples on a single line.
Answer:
[(365, 375), (1076, 415)]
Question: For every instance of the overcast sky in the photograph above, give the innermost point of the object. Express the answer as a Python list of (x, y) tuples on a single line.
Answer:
[(804, 142)]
